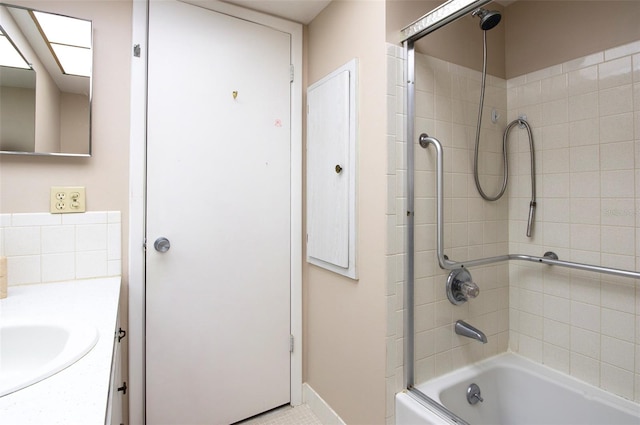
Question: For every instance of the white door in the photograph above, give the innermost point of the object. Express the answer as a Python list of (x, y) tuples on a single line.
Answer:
[(218, 189)]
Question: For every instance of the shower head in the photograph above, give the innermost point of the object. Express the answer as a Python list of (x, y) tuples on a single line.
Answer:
[(488, 18)]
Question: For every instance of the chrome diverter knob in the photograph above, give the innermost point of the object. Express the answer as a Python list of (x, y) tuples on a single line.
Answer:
[(460, 287)]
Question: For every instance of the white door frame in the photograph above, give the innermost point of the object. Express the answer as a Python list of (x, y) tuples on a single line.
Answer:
[(137, 211)]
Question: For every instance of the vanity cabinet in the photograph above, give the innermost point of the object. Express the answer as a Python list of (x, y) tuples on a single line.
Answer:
[(85, 392), (117, 383)]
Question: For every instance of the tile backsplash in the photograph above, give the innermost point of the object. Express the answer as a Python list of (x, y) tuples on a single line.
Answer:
[(43, 247)]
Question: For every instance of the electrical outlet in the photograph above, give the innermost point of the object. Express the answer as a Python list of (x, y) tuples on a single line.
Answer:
[(68, 199)]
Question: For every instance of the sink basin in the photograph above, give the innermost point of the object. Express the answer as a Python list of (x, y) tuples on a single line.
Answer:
[(33, 351)]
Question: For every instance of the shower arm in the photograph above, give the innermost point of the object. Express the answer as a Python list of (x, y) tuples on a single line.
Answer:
[(447, 264)]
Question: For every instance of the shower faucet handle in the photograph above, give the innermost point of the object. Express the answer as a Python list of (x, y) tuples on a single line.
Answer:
[(469, 289), (461, 287)]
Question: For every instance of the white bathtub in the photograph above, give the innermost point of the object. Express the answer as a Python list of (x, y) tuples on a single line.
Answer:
[(516, 391)]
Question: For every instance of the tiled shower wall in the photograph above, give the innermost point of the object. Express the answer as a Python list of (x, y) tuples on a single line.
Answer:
[(447, 99), (396, 225), (585, 116), (586, 119), (42, 247)]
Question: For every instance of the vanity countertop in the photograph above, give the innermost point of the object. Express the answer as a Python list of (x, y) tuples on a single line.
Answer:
[(79, 393)]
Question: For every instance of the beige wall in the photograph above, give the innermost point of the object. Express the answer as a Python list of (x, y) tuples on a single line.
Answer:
[(541, 33), (345, 320)]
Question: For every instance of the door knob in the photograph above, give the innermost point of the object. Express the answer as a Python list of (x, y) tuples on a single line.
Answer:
[(162, 244)]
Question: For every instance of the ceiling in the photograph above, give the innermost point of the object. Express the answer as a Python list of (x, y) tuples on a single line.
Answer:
[(302, 11)]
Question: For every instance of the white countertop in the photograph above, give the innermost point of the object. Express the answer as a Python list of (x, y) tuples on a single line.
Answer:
[(79, 393)]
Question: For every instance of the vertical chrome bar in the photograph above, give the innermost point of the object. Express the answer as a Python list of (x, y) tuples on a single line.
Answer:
[(409, 272)]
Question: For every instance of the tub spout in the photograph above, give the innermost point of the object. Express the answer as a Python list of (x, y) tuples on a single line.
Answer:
[(465, 329)]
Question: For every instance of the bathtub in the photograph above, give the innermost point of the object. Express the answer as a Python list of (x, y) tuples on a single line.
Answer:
[(516, 391)]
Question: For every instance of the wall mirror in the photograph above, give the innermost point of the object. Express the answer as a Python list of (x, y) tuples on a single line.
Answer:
[(45, 83)]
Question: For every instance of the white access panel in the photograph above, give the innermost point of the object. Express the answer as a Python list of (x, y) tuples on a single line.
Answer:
[(331, 171)]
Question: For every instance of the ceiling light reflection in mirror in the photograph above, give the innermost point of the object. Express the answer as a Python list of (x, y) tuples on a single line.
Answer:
[(9, 55), (70, 41)]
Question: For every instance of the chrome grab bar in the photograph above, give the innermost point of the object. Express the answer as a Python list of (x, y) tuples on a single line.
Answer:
[(447, 264)]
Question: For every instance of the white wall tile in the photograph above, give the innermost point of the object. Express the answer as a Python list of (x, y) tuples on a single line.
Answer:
[(618, 353), (5, 220), (585, 237), (584, 106), (618, 184), (585, 158), (616, 100), (91, 264), (585, 210), (583, 80), (618, 156), (619, 297), (557, 308), (58, 239), (58, 267), (23, 270), (618, 324), (616, 128), (91, 237), (557, 358), (584, 132), (585, 316), (618, 212), (35, 219), (94, 217), (617, 381), (114, 242), (557, 333), (614, 73), (585, 368), (52, 247), (114, 217), (585, 342), (22, 241), (618, 240)]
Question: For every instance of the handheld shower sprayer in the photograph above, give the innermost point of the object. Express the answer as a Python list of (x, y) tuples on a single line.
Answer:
[(489, 19)]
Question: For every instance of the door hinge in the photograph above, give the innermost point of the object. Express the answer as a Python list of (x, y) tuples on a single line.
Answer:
[(291, 73), (291, 342), (144, 244)]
